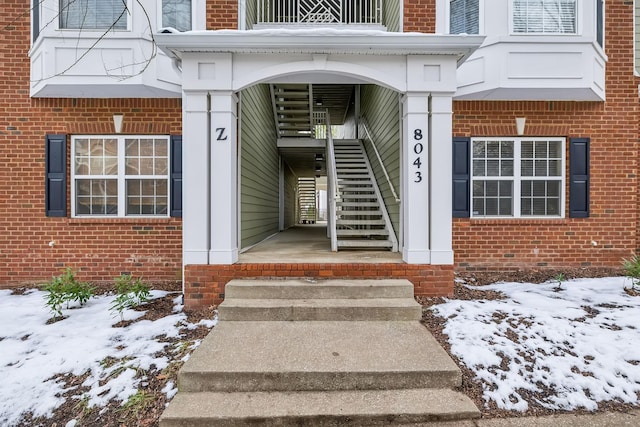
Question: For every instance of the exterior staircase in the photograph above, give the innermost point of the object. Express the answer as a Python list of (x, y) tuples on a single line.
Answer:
[(362, 220), (321, 353), (307, 200)]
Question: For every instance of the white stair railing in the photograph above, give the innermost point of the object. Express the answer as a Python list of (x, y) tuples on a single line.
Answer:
[(367, 138), (332, 176), (314, 12)]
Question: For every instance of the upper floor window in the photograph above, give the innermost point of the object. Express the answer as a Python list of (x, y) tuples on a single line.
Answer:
[(517, 177), (464, 16), (120, 176), (93, 14), (177, 14), (545, 16)]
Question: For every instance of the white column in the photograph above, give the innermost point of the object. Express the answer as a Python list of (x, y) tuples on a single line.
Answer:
[(441, 179), (195, 178), (224, 184), (415, 158)]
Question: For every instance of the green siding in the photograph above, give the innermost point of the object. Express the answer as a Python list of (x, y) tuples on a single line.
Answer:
[(259, 203), (290, 183), (391, 15), (251, 10), (380, 107)]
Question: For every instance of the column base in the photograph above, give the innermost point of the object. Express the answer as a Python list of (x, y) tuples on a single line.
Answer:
[(223, 257), (416, 256)]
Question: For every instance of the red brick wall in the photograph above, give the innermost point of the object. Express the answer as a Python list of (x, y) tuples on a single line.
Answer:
[(222, 14), (204, 284), (420, 16), (100, 249), (613, 129)]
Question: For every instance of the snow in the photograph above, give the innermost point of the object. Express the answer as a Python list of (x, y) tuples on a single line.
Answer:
[(571, 348), (35, 355), (575, 347)]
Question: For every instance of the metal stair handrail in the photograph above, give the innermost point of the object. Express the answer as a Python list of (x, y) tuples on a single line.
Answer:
[(332, 179), (365, 128), (383, 206)]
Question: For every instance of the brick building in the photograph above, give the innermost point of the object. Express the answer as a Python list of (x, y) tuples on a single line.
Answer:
[(135, 141)]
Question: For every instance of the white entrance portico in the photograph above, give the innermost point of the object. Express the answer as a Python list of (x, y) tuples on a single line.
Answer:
[(216, 65)]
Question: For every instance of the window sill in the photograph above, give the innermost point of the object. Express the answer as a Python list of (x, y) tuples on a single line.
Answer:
[(518, 221), (122, 220)]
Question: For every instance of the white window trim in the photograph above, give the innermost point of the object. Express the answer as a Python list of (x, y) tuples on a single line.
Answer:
[(120, 176), (198, 9), (517, 177), (447, 17), (578, 24), (92, 31)]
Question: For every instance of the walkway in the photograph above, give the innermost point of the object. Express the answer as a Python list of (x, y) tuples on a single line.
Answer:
[(309, 243)]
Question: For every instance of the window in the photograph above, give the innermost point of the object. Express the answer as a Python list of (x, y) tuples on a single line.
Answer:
[(517, 177), (600, 22), (93, 14), (464, 16), (545, 16), (177, 14), (120, 175)]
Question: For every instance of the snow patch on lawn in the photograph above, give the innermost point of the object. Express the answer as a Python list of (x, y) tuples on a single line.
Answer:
[(35, 355), (571, 348)]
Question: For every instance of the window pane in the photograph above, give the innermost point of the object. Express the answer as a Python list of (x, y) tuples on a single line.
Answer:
[(526, 167), (479, 168), (96, 197), (161, 167), (464, 16), (493, 150), (146, 196), (479, 149), (93, 14), (507, 168), (176, 14), (544, 16), (493, 167), (540, 198)]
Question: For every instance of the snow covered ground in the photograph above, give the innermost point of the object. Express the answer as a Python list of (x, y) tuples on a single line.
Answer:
[(566, 349), (34, 353)]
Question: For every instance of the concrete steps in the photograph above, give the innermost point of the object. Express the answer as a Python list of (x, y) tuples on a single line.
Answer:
[(342, 408), (349, 370), (322, 301)]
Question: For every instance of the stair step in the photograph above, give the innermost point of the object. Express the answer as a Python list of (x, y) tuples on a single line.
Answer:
[(349, 182), (344, 197), (322, 356), (359, 213), (319, 309), (318, 289), (360, 222), (343, 408), (369, 232), (359, 204), (364, 243)]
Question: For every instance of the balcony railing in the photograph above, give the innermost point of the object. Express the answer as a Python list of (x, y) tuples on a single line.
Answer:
[(323, 12)]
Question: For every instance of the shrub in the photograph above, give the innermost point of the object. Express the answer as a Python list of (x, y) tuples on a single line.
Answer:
[(64, 289), (130, 293), (631, 268)]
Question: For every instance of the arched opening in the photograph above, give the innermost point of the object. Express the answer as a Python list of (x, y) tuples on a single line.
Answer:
[(284, 166)]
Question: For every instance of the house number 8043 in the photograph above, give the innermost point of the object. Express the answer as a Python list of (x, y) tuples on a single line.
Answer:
[(417, 149)]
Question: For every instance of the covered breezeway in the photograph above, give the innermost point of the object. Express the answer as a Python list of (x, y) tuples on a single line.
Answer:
[(218, 65)]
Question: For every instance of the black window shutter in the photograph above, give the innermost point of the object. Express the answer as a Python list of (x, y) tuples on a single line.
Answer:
[(55, 190), (176, 176), (579, 177), (461, 177)]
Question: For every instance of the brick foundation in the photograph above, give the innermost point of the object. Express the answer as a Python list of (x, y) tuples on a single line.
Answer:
[(204, 284)]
